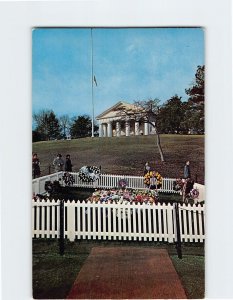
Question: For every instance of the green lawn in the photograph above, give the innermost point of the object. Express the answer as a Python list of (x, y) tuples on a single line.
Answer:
[(127, 155), (191, 269), (53, 275)]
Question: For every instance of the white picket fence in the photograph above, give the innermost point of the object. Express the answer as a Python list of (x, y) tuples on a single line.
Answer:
[(105, 181), (38, 184), (85, 220), (111, 181)]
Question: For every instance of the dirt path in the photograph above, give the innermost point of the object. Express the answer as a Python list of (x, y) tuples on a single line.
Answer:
[(127, 273)]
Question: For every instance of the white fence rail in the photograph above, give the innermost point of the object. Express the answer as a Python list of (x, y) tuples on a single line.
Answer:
[(111, 181), (38, 184), (105, 181), (85, 220)]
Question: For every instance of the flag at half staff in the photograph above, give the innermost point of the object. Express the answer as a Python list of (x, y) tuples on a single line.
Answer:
[(95, 80)]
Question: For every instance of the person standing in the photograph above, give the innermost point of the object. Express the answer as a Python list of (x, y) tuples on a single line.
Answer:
[(187, 173), (153, 181), (35, 166), (68, 164), (146, 168), (58, 163)]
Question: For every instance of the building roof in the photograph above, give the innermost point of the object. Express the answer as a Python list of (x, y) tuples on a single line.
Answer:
[(113, 111)]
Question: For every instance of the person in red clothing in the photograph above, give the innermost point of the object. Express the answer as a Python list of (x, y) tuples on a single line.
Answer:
[(35, 166)]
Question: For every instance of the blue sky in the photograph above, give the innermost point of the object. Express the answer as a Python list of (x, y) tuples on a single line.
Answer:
[(129, 64)]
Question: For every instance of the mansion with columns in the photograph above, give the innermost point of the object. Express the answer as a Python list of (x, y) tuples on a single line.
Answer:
[(112, 124)]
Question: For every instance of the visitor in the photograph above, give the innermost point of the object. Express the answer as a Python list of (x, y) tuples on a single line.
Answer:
[(35, 166), (153, 181), (187, 173), (146, 168), (58, 163), (188, 186), (68, 164)]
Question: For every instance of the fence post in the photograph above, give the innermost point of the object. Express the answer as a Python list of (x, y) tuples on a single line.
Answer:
[(178, 237), (170, 223), (61, 238), (71, 221)]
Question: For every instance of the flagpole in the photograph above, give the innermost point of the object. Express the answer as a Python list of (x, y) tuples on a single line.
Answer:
[(92, 94)]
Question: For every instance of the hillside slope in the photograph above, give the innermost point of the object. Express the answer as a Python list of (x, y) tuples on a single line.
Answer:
[(127, 155)]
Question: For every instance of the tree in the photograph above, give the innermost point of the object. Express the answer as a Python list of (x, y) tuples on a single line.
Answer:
[(146, 112), (47, 125), (197, 91), (65, 124), (54, 127), (82, 127), (171, 115), (36, 136), (195, 112)]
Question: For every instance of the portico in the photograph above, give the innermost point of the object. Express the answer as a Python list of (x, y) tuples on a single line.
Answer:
[(111, 124)]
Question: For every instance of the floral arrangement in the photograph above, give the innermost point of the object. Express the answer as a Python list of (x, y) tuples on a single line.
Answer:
[(194, 193), (156, 175), (68, 179), (185, 186), (178, 184), (124, 196), (122, 183), (89, 173)]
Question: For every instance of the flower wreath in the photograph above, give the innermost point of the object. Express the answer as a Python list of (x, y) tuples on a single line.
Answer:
[(158, 177), (68, 178), (89, 173), (122, 183), (194, 193)]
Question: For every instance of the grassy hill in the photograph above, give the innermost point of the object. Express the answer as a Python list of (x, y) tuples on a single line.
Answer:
[(127, 155)]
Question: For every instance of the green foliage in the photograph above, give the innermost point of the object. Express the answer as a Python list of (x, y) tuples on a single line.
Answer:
[(197, 91), (194, 117), (176, 116), (54, 127), (47, 125), (171, 116), (195, 110), (82, 127), (36, 136)]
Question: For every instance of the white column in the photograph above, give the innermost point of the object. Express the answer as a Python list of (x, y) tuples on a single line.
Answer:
[(118, 128), (127, 128), (146, 128), (109, 129), (104, 130), (136, 127), (100, 130)]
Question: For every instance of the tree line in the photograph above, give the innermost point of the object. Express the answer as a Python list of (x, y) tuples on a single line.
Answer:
[(51, 127), (173, 116)]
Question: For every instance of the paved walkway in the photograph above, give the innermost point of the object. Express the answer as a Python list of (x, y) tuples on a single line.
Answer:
[(127, 273)]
